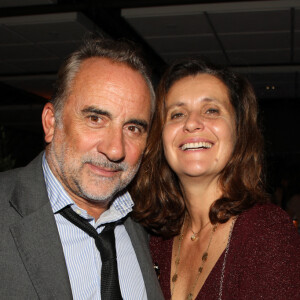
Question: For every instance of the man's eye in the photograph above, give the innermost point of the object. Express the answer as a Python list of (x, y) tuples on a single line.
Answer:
[(94, 119), (134, 129)]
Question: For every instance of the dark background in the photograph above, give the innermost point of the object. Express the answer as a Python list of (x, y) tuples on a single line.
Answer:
[(260, 39)]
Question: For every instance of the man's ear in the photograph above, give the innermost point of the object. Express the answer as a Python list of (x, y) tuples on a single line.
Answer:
[(48, 120)]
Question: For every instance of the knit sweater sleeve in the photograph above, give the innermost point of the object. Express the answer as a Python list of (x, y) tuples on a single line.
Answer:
[(264, 262)]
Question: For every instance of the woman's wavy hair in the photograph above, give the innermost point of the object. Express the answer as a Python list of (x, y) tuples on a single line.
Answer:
[(159, 201)]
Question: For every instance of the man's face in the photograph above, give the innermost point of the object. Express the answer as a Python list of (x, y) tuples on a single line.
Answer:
[(97, 146)]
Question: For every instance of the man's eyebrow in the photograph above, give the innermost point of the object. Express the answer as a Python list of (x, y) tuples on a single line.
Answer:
[(95, 110), (92, 109), (139, 122)]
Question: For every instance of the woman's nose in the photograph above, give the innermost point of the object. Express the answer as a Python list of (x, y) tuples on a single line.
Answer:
[(193, 122)]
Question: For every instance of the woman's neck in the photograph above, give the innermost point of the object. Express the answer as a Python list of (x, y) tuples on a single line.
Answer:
[(199, 196)]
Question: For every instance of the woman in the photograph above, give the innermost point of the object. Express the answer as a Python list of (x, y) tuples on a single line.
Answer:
[(200, 189)]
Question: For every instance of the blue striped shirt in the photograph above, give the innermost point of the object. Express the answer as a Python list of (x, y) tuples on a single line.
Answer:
[(83, 259)]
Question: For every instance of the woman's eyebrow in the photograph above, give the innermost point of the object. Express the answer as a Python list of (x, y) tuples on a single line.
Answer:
[(175, 105), (180, 103)]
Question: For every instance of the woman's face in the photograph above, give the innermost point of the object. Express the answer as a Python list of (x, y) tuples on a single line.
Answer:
[(199, 130)]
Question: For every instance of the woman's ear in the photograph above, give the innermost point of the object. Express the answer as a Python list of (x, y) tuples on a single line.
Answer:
[(48, 121)]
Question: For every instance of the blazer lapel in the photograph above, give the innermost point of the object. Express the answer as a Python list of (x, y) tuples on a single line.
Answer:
[(36, 235), (140, 242)]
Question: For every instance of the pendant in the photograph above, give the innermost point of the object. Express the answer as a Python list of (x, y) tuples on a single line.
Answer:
[(193, 237), (190, 296)]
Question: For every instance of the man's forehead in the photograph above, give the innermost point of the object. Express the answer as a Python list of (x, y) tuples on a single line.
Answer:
[(109, 86), (99, 71), (98, 64), (114, 106)]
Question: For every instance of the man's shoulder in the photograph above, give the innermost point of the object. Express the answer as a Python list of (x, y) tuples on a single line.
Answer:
[(14, 183), (9, 174), (8, 180), (9, 177)]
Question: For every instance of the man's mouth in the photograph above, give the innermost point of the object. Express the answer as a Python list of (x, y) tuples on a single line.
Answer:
[(196, 146), (104, 171)]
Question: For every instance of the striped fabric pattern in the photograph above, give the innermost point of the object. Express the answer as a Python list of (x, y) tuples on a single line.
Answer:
[(83, 259)]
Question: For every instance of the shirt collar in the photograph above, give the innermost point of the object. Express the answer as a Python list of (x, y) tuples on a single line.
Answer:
[(59, 198)]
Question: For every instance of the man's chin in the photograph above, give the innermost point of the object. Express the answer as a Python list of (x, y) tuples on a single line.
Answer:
[(99, 198), (103, 203), (96, 198), (101, 191)]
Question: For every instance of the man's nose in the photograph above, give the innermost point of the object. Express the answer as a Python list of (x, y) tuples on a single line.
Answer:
[(112, 145)]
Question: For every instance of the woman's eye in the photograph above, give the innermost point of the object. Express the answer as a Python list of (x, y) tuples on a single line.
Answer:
[(176, 115), (212, 111)]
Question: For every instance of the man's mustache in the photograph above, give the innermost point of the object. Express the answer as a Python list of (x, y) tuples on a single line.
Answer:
[(103, 162)]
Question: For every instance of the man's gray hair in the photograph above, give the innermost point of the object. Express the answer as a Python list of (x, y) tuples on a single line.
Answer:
[(120, 51)]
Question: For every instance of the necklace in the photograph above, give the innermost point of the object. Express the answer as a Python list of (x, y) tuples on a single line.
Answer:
[(203, 260), (194, 236), (225, 258)]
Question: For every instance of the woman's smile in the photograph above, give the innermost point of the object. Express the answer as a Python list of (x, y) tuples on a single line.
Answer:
[(199, 132)]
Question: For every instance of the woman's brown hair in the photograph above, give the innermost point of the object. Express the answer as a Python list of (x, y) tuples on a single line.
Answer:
[(159, 202)]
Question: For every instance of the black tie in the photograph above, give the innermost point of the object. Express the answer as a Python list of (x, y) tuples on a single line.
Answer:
[(105, 242)]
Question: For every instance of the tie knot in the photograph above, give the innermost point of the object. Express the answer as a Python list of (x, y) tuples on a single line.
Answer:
[(105, 242)]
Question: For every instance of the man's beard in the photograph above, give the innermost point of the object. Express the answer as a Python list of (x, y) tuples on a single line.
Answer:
[(71, 174)]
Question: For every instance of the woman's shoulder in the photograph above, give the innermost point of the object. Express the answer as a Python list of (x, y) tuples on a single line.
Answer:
[(262, 215), (265, 224), (265, 254)]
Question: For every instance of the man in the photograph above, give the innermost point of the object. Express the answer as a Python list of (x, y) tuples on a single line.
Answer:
[(96, 129)]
